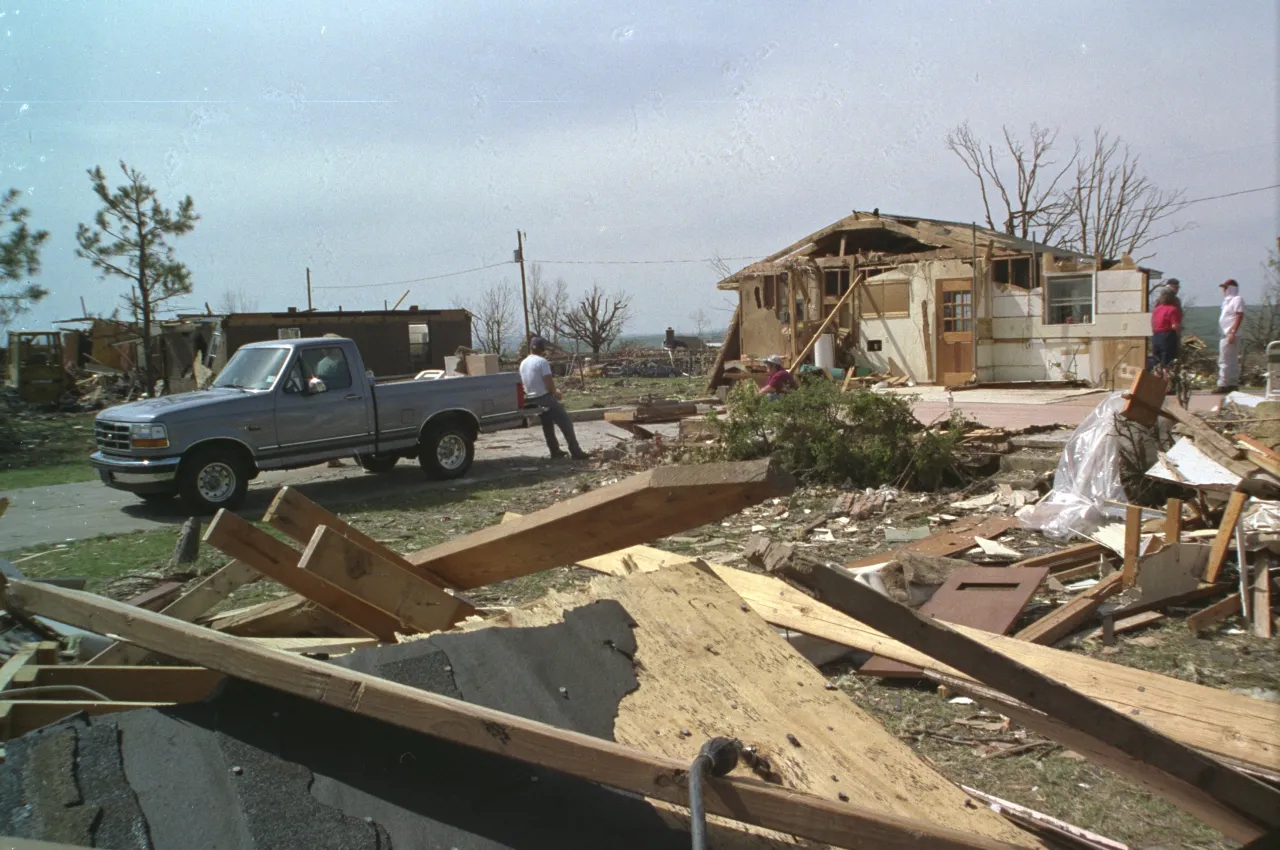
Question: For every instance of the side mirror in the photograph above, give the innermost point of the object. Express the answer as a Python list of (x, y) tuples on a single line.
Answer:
[(315, 386)]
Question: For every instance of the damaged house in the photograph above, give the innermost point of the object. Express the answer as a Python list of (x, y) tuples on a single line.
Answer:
[(941, 303)]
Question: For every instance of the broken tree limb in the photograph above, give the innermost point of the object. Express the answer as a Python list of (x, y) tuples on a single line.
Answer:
[(656, 503), (594, 759), (1070, 616), (416, 603), (278, 560), (209, 592), (1222, 540), (1252, 800), (1182, 794), (1231, 725)]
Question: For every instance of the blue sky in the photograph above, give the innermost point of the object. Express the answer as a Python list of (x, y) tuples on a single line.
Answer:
[(399, 140)]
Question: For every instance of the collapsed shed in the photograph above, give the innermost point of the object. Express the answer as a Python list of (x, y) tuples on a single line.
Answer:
[(943, 303)]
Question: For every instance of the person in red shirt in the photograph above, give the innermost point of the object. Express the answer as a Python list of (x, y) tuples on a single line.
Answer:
[(779, 381), (1166, 329)]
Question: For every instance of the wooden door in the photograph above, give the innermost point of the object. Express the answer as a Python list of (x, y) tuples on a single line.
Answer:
[(954, 331)]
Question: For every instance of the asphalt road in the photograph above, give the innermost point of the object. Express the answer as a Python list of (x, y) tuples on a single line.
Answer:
[(47, 515)]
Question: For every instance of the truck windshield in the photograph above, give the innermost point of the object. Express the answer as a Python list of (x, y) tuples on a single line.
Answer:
[(253, 368)]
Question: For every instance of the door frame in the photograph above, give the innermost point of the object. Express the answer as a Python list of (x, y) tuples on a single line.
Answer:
[(943, 337)]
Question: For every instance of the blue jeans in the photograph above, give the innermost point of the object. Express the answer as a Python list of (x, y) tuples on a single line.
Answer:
[(553, 414)]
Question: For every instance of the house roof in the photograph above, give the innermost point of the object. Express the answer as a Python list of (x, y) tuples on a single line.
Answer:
[(895, 235)]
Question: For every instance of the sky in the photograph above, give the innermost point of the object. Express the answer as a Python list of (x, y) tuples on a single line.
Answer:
[(383, 142)]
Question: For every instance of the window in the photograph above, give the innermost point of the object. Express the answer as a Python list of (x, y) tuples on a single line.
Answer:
[(770, 286), (1069, 300), (419, 346), (886, 298), (957, 312), (288, 333), (1015, 270), (329, 365), (837, 282)]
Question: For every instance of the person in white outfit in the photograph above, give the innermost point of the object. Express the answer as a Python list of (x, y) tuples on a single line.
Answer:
[(1229, 322)]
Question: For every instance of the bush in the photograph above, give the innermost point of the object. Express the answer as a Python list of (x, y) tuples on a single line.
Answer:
[(823, 435)]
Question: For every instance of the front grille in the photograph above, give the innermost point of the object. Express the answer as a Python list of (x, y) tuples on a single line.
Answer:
[(111, 436)]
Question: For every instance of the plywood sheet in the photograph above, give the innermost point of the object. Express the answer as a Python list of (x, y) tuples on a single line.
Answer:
[(987, 598), (708, 665)]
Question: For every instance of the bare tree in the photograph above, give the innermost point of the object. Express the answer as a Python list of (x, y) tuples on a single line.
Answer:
[(1022, 189), (1113, 207), (494, 314), (237, 301), (597, 320), (548, 303), (701, 321), (719, 266), (19, 258)]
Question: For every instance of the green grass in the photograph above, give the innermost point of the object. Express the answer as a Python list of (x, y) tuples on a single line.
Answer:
[(44, 449), (618, 392)]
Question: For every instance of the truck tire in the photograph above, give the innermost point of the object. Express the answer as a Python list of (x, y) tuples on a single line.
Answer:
[(446, 451), (378, 464), (213, 478)]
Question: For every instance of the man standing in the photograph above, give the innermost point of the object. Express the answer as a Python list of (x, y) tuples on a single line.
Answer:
[(1229, 322), (540, 391)]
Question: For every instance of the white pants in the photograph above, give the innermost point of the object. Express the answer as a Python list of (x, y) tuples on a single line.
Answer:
[(1228, 362)]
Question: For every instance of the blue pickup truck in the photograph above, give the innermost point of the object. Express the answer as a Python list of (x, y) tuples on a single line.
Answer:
[(292, 403)]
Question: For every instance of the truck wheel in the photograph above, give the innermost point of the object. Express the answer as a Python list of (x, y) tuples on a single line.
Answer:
[(213, 479), (446, 451), (378, 463)]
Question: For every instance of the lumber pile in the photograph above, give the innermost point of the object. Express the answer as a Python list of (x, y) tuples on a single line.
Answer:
[(323, 718)]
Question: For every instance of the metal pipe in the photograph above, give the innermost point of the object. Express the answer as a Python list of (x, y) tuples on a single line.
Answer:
[(717, 756)]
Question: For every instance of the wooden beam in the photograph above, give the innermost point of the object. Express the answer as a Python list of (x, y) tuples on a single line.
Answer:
[(1182, 794), (20, 659), (1127, 624), (944, 544), (1230, 725), (278, 560), (584, 756), (1260, 607), (1070, 616), (656, 503), (289, 616), (415, 603), (18, 717), (129, 684), (813, 340), (1222, 540), (1214, 614), (1132, 544), (314, 645), (1255, 802), (1173, 521), (196, 601)]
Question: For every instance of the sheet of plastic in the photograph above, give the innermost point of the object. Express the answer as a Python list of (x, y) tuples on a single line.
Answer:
[(1088, 475)]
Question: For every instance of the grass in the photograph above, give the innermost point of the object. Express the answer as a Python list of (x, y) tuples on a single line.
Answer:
[(616, 392), (52, 448)]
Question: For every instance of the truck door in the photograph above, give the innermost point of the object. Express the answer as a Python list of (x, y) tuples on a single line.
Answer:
[(338, 418)]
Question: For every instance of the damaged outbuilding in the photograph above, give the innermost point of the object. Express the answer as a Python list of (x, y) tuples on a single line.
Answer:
[(942, 303)]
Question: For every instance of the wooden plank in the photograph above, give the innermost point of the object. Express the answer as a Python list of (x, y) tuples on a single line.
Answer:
[(987, 598), (1173, 521), (18, 717), (1260, 609), (316, 645), (1256, 804), (157, 597), (1207, 439), (1222, 540), (1231, 725), (1182, 794), (1127, 624), (724, 671), (1070, 616), (289, 616), (594, 759), (1132, 544), (653, 504), (1214, 614), (20, 659), (129, 684), (1145, 398), (415, 603), (1063, 559), (946, 543), (47, 652), (278, 560), (207, 593), (835, 311)]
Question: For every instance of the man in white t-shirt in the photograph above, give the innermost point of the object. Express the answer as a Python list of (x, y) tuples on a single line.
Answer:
[(540, 391), (1229, 322)]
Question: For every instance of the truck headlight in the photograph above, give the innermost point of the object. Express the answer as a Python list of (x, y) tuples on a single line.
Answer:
[(146, 435)]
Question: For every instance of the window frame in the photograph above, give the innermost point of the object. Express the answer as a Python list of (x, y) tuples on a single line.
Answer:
[(1048, 305), (867, 297)]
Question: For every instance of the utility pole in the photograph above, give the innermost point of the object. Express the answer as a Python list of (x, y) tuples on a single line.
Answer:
[(524, 292), (308, 289)]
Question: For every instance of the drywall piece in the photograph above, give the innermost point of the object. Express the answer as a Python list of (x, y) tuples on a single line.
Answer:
[(1172, 570), (1187, 465)]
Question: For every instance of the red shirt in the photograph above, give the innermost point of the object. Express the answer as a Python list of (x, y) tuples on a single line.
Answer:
[(1165, 317), (779, 381)]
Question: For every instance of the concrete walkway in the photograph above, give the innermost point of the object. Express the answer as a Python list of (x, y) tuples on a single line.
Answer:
[(45, 515)]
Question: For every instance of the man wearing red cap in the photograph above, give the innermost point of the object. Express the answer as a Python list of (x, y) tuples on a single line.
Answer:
[(1229, 322)]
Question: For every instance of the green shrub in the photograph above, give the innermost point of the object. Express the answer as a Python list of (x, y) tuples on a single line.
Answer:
[(823, 435)]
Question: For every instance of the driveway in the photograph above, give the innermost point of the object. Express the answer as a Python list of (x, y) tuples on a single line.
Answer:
[(45, 515)]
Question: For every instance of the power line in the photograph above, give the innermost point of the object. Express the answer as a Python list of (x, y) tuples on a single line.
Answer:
[(1233, 194), (633, 262), (420, 279)]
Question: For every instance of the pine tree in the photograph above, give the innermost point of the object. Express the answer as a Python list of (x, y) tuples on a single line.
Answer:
[(19, 258)]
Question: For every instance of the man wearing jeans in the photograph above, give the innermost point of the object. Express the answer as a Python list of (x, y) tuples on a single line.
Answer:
[(540, 391)]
